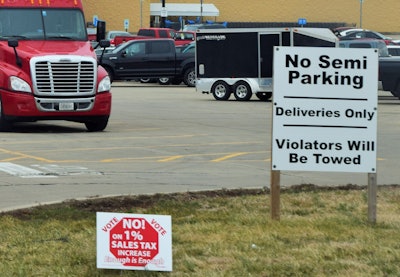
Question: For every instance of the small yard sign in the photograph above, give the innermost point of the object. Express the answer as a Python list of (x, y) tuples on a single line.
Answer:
[(134, 241)]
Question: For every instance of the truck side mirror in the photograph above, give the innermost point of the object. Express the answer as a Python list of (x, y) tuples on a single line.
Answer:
[(101, 31), (13, 43), (104, 43)]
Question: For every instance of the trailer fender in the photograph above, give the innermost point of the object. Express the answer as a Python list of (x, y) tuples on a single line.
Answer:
[(253, 83)]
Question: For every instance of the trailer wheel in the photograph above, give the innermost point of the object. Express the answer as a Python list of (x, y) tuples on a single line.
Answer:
[(97, 125), (242, 91), (221, 90), (4, 124), (189, 77), (264, 96)]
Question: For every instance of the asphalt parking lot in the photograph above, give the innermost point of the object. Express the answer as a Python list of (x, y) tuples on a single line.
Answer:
[(164, 139)]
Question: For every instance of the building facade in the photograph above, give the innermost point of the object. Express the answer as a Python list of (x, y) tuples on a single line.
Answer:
[(377, 15)]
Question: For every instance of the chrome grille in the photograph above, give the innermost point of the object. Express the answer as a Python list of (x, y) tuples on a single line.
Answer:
[(64, 77)]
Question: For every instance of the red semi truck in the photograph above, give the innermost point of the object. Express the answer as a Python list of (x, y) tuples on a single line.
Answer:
[(48, 68)]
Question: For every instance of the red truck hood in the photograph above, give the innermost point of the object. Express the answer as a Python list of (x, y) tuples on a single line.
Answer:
[(28, 49)]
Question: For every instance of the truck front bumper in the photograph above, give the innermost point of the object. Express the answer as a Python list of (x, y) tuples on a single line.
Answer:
[(21, 105)]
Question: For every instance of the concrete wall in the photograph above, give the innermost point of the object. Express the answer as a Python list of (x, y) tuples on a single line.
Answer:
[(379, 15)]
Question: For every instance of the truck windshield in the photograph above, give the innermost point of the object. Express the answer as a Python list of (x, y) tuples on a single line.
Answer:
[(42, 24)]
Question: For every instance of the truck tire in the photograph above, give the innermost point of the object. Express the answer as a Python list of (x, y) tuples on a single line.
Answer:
[(164, 81), (4, 124), (264, 96), (176, 81), (145, 80), (97, 124), (189, 77), (242, 91), (221, 90)]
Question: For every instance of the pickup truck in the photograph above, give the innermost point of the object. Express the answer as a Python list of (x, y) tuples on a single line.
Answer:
[(145, 33), (389, 74), (389, 66), (180, 37), (149, 58)]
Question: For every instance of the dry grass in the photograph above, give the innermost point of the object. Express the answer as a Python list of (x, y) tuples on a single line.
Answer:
[(223, 233)]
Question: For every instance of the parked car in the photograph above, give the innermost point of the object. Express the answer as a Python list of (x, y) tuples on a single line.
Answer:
[(366, 34), (394, 50), (92, 32), (110, 35), (153, 32), (187, 48), (194, 27), (344, 31), (99, 50), (149, 58), (366, 43), (184, 37)]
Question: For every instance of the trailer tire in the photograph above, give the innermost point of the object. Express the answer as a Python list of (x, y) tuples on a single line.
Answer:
[(97, 125), (264, 96), (221, 90), (189, 77), (4, 124), (242, 91)]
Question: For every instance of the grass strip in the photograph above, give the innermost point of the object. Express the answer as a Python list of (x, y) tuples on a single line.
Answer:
[(322, 232)]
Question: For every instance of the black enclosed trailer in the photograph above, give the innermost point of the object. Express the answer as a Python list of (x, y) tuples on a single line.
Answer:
[(240, 61)]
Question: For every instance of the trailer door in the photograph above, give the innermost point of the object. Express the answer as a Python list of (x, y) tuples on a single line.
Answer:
[(266, 53), (227, 54)]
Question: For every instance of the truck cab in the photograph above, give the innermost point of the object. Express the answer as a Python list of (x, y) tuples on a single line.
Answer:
[(48, 66)]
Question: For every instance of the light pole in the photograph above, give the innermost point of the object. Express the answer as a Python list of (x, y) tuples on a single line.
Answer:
[(201, 11), (361, 4), (163, 14), (141, 13)]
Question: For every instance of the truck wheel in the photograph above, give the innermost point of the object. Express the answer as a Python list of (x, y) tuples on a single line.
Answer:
[(145, 80), (164, 81), (221, 90), (242, 91), (189, 77), (264, 96), (4, 124), (97, 124)]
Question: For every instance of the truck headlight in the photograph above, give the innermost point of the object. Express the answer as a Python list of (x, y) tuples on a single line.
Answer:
[(104, 85), (17, 84)]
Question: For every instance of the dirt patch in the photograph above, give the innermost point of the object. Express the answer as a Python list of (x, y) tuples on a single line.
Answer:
[(111, 204)]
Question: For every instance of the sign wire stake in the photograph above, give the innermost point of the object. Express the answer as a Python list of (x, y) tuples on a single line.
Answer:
[(372, 189)]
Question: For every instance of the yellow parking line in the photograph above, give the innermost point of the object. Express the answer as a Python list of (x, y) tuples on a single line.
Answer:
[(22, 155), (173, 158), (229, 156)]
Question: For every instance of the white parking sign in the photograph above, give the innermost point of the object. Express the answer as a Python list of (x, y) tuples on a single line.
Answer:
[(325, 109)]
